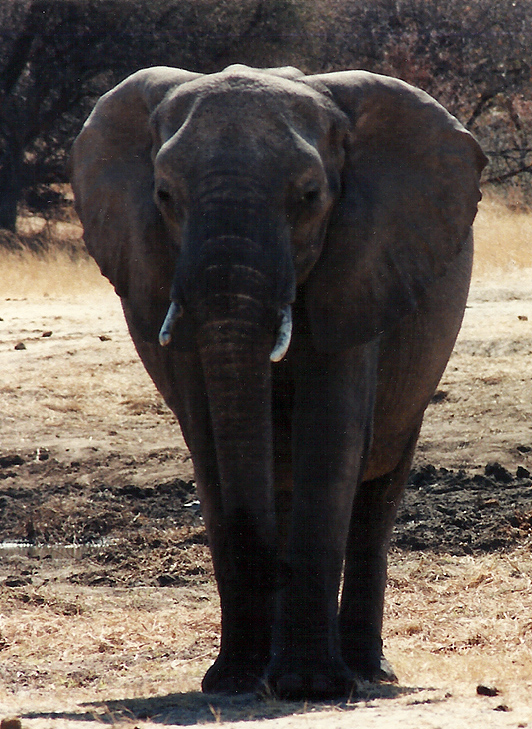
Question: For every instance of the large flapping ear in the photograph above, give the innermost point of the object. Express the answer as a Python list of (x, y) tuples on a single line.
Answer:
[(112, 177), (410, 188)]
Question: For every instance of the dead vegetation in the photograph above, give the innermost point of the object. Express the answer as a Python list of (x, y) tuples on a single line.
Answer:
[(452, 624)]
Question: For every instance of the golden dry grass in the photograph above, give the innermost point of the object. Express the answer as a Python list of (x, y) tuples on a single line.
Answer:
[(61, 270), (456, 617), (107, 640), (503, 238), (53, 274), (451, 623)]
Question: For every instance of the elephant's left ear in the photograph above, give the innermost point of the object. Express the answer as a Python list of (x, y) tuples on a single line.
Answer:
[(410, 188)]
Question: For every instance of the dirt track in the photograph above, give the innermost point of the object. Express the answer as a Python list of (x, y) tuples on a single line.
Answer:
[(95, 477)]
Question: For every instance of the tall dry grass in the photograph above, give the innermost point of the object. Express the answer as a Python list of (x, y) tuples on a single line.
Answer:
[(503, 239), (54, 274), (47, 259)]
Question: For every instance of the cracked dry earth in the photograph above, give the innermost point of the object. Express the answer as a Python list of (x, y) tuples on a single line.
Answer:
[(108, 610)]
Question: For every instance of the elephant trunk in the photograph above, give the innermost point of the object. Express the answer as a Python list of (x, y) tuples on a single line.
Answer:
[(236, 367), (235, 300)]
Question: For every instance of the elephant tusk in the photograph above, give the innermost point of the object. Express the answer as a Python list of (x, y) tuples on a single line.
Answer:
[(284, 335), (165, 334)]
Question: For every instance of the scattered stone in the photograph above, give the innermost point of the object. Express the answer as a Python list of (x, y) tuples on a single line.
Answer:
[(17, 581), (169, 580), (522, 472), (524, 449), (13, 723), (20, 345), (47, 334), (12, 460), (502, 707), (104, 338), (439, 396), (486, 690), (522, 317), (498, 472)]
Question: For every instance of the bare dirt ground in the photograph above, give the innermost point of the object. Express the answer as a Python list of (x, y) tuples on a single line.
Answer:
[(108, 612)]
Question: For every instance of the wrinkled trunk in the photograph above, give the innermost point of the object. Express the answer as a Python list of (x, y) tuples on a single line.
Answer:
[(235, 336), (235, 359)]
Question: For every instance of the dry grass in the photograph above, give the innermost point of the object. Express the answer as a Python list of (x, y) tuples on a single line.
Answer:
[(47, 259), (56, 273), (503, 239), (451, 623), (461, 618)]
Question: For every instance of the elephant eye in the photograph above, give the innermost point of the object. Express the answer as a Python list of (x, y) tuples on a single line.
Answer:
[(163, 196), (310, 194)]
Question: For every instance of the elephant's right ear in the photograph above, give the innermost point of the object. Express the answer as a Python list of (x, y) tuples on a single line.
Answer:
[(112, 178)]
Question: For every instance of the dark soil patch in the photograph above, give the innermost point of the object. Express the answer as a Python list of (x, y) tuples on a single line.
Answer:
[(129, 534), (465, 513)]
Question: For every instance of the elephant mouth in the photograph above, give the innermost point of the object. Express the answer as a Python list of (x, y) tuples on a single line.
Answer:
[(282, 341)]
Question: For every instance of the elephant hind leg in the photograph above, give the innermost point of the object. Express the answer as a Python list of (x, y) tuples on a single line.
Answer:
[(361, 609)]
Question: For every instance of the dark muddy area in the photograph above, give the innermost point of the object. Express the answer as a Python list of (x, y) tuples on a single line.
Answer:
[(89, 523), (462, 513)]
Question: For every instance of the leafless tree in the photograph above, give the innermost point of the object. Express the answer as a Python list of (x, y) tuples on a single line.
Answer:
[(57, 56)]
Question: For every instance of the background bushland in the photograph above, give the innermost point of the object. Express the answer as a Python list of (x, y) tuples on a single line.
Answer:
[(58, 56)]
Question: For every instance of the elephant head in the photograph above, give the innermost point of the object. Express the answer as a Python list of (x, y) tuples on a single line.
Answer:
[(216, 204)]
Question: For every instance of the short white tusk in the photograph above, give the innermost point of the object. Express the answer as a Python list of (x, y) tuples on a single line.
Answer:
[(284, 335), (174, 312)]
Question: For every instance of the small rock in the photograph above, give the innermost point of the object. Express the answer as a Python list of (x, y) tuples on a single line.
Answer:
[(168, 580), (11, 460), (104, 338), (20, 345), (11, 724), (522, 317), (522, 472), (502, 707), (439, 396), (47, 334), (524, 449), (498, 472), (484, 690), (17, 581)]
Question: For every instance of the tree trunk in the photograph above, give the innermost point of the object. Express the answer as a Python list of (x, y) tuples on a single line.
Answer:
[(10, 183)]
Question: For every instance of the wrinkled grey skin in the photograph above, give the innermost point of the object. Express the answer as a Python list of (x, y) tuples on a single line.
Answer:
[(351, 197)]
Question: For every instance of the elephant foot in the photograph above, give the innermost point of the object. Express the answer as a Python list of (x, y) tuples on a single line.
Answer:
[(315, 681), (380, 671), (229, 678), (369, 666)]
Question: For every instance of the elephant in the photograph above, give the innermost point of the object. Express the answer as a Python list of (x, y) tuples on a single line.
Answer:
[(293, 255)]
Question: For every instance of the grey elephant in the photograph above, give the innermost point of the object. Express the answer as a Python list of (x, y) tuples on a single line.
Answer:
[(293, 256)]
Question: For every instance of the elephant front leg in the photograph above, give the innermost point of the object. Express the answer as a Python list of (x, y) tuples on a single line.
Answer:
[(331, 432), (238, 503), (247, 617)]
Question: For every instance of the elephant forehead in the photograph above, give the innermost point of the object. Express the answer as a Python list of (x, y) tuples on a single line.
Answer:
[(236, 103)]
